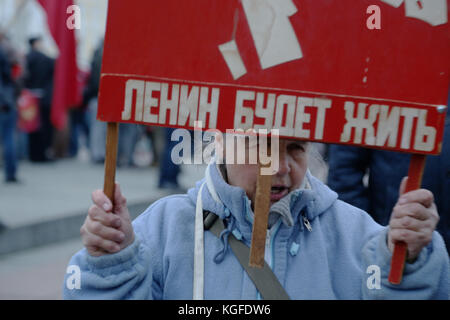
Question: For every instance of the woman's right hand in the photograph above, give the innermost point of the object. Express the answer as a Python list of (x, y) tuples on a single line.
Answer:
[(107, 229)]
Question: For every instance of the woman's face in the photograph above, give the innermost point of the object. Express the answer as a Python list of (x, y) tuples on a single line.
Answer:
[(289, 176)]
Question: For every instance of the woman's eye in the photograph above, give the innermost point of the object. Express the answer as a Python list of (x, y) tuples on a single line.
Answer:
[(296, 147)]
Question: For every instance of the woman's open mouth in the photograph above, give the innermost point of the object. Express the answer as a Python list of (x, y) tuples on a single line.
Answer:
[(277, 192)]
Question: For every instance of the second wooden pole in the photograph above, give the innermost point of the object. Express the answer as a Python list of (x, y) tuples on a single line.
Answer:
[(112, 135)]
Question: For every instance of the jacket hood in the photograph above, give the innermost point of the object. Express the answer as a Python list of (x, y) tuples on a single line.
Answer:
[(231, 202)]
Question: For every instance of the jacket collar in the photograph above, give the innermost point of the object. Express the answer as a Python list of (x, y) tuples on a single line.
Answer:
[(234, 203)]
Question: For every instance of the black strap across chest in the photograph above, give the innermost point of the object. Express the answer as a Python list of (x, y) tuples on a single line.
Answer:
[(264, 279)]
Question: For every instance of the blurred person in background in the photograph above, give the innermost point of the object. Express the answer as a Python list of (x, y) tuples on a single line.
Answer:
[(128, 136), (39, 79), (128, 133), (79, 119), (8, 112), (348, 166), (168, 170), (97, 132)]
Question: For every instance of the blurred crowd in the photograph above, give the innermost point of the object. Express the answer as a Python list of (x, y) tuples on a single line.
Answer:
[(27, 132)]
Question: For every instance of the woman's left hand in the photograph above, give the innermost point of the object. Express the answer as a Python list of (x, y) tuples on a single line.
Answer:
[(413, 220)]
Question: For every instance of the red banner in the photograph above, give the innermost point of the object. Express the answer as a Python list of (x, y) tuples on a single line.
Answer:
[(313, 69), (65, 85)]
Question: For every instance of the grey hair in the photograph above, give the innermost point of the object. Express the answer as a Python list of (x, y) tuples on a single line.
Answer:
[(316, 162)]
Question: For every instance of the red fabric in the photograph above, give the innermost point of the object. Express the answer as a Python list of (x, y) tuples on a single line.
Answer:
[(65, 88), (16, 71), (27, 105)]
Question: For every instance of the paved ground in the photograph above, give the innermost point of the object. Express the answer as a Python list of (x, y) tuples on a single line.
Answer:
[(36, 273), (43, 214)]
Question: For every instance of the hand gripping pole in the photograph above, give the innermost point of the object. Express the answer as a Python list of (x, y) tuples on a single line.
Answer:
[(416, 167)]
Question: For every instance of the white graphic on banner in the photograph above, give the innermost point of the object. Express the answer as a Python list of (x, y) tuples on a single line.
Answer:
[(274, 37), (230, 53), (272, 32), (432, 11)]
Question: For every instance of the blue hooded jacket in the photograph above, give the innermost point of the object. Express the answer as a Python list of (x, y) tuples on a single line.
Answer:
[(339, 257)]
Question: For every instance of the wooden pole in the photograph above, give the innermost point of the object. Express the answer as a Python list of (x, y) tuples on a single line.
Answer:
[(416, 167), (112, 135), (262, 204)]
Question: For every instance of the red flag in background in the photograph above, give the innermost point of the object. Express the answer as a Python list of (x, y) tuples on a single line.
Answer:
[(65, 90)]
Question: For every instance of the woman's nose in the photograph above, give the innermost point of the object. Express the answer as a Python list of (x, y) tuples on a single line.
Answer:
[(283, 163)]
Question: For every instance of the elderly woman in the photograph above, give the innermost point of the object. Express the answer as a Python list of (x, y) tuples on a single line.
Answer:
[(317, 246)]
